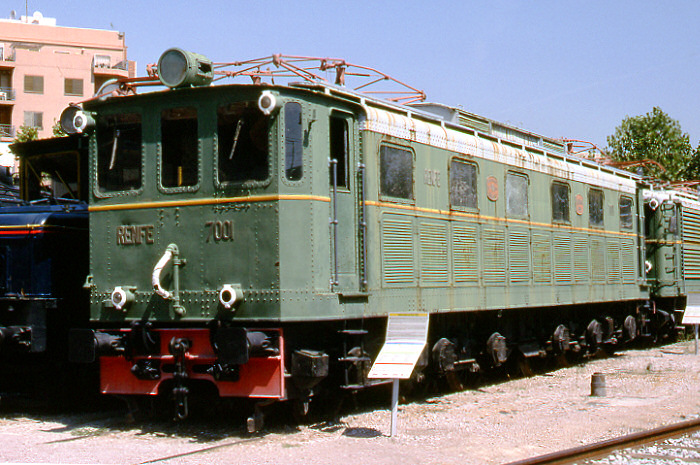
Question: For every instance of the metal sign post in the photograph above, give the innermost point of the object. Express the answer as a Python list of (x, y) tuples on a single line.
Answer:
[(691, 316), (406, 336)]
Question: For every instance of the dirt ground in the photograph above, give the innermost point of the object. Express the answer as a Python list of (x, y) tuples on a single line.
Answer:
[(494, 424)]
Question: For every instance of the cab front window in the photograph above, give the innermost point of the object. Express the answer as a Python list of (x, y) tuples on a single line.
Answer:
[(119, 152), (180, 147)]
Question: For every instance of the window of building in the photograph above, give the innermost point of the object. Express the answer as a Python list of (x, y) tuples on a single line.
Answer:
[(626, 215), (73, 87), (396, 172), (560, 202), (101, 61), (34, 119), (463, 184), (516, 194), (293, 152), (242, 134), (339, 145), (34, 84), (179, 147), (119, 152)]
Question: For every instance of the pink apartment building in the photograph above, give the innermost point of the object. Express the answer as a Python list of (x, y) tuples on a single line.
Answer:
[(44, 67)]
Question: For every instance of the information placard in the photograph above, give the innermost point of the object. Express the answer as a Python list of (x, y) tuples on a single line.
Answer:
[(406, 336)]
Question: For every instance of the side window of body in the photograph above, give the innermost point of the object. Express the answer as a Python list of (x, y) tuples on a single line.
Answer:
[(560, 202), (595, 208), (396, 172), (626, 213), (463, 184), (293, 143), (517, 195), (179, 162)]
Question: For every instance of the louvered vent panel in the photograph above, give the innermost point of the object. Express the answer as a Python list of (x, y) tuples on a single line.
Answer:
[(433, 253), (562, 259), (541, 258), (581, 259), (397, 250), (691, 244), (597, 259), (629, 266), (519, 256), (474, 122), (494, 244), (614, 269), (465, 254)]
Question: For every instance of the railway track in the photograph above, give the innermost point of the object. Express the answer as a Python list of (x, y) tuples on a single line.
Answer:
[(678, 443)]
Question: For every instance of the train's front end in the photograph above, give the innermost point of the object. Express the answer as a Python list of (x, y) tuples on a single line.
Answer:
[(43, 261), (184, 233)]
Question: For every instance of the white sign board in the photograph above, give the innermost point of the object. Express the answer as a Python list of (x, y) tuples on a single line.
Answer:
[(691, 316), (406, 336)]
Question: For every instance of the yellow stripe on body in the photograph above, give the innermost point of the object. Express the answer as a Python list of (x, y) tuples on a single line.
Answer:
[(206, 201)]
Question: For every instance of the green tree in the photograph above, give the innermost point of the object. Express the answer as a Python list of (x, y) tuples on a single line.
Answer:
[(693, 169), (26, 133), (654, 136)]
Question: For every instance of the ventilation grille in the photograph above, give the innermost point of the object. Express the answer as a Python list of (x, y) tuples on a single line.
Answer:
[(433, 253), (519, 256), (397, 251), (465, 253)]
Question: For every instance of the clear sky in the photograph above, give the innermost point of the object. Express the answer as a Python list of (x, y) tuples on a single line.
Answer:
[(559, 68)]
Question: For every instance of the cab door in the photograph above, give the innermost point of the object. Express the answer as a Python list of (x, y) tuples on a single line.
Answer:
[(343, 185)]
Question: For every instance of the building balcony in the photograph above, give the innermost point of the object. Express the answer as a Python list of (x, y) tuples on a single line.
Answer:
[(7, 58), (102, 67), (7, 95), (7, 131)]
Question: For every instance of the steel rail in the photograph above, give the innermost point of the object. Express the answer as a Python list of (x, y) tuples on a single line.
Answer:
[(603, 448)]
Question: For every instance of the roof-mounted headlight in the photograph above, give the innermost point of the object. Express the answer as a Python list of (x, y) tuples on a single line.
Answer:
[(178, 68), (267, 102), (76, 121)]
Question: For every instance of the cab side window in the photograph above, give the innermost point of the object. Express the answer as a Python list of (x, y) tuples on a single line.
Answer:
[(293, 152), (242, 139), (339, 144)]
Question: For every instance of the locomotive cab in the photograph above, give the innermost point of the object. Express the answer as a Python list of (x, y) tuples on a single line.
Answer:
[(205, 205)]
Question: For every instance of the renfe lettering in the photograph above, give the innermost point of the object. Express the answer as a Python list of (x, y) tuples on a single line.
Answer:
[(135, 234)]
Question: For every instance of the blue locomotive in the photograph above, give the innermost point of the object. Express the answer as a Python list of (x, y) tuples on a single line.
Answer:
[(43, 258)]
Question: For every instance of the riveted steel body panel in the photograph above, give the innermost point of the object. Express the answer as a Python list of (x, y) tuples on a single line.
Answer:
[(293, 243)]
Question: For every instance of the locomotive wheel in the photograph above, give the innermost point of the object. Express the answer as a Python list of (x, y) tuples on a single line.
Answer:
[(497, 349), (594, 336), (561, 338), (454, 381), (300, 409), (630, 328), (525, 367)]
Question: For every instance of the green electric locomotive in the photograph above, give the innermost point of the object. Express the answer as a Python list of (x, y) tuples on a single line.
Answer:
[(255, 237)]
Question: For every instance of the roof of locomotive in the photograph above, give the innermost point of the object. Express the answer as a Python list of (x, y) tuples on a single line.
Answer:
[(409, 104)]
